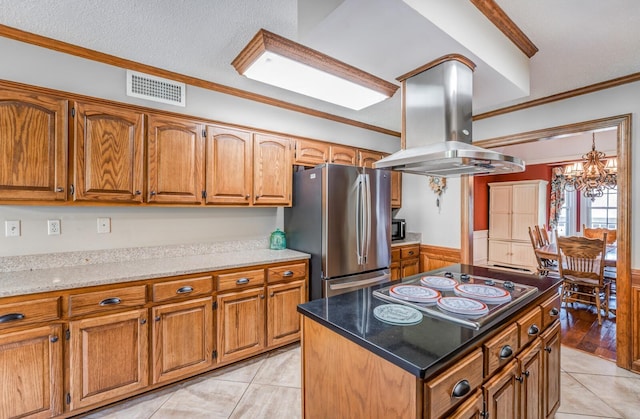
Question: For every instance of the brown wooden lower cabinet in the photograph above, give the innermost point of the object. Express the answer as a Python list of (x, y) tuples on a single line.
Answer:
[(241, 324), (405, 261), (31, 366), (283, 321), (498, 379), (108, 357), (182, 339)]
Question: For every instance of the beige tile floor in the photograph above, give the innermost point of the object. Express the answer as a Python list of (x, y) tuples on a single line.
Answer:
[(269, 387)]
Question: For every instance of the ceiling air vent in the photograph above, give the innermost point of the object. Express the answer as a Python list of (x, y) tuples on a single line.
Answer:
[(157, 89)]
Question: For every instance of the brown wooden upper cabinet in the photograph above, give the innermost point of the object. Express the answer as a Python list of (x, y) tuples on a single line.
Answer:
[(108, 160), (175, 152), (367, 158), (33, 146), (313, 153), (272, 170), (229, 168)]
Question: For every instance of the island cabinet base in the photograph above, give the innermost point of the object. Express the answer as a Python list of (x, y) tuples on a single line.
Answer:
[(362, 384)]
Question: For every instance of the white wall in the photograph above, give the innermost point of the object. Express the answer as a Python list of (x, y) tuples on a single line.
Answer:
[(132, 226)]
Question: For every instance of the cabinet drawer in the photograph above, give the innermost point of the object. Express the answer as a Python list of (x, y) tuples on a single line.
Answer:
[(529, 326), (395, 255), (106, 301), (286, 273), (29, 312), (190, 287), (239, 280), (500, 349), (454, 385), (550, 310), (409, 252)]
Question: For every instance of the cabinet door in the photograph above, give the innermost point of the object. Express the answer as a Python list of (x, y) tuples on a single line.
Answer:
[(522, 255), (551, 363), (524, 210), (31, 365), (272, 176), (343, 155), (500, 251), (409, 267), (175, 149), (33, 146), (241, 325), (311, 153), (531, 381), (283, 319), (367, 158), (500, 212), (396, 189), (228, 166), (500, 393), (108, 161), (182, 339), (108, 357), (472, 408)]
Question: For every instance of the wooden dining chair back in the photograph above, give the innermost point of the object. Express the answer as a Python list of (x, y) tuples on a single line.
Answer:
[(597, 233), (538, 239), (543, 237), (581, 267)]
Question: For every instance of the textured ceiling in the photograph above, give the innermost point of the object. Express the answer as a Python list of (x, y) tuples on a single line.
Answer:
[(580, 42)]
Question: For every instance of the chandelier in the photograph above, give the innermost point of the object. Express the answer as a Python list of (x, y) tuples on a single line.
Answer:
[(593, 175)]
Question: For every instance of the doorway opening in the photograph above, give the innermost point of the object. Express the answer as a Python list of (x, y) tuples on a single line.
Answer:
[(546, 138)]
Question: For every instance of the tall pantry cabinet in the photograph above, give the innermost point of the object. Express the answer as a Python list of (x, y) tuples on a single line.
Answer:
[(513, 207)]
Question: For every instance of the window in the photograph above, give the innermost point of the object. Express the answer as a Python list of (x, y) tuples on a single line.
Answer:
[(567, 222), (603, 212)]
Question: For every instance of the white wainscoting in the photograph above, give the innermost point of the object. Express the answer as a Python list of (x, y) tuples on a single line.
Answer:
[(480, 247)]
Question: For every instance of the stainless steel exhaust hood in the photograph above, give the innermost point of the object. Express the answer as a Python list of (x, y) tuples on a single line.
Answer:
[(437, 113)]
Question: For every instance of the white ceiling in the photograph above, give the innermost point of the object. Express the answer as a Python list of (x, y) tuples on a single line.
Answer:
[(581, 42)]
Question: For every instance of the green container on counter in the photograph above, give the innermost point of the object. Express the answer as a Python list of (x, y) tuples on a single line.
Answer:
[(278, 240)]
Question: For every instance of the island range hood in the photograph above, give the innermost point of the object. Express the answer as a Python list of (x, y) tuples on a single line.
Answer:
[(437, 125)]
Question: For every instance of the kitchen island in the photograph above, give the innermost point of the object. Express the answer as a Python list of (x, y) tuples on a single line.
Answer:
[(355, 365)]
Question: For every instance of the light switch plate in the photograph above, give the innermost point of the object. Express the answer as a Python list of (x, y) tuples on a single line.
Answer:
[(12, 228), (104, 225)]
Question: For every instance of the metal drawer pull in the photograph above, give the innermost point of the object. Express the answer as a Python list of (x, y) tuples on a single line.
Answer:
[(554, 312), (110, 301), (506, 352), (53, 339), (11, 317), (461, 389), (548, 349), (287, 273), (184, 290), (533, 330), (520, 379), (242, 281)]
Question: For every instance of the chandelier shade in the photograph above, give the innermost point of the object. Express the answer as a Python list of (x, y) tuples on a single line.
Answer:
[(593, 175)]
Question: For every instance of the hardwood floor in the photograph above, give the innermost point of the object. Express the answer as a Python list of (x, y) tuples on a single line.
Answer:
[(580, 330)]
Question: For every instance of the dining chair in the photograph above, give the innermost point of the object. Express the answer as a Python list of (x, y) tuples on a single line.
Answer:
[(597, 233), (545, 266), (542, 235), (581, 267)]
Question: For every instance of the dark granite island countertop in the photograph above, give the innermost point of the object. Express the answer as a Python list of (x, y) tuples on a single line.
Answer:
[(424, 348)]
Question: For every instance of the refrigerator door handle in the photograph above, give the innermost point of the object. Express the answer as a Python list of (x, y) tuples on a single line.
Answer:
[(359, 226), (367, 217)]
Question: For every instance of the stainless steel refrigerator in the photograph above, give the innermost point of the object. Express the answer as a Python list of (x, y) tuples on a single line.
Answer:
[(341, 215)]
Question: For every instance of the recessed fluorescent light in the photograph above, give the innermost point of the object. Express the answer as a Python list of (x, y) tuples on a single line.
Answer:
[(275, 60)]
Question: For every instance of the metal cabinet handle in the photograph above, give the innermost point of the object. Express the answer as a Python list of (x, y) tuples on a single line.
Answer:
[(548, 349), (287, 273), (157, 318), (272, 294), (257, 196), (184, 290), (262, 296), (411, 252), (461, 389), (247, 196), (152, 193), (138, 193), (110, 301), (533, 330), (506, 352), (526, 373), (59, 189), (242, 281), (53, 339), (520, 379), (554, 312), (143, 321), (11, 317)]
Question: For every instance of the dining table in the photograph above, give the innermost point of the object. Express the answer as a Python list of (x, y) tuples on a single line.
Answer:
[(550, 251)]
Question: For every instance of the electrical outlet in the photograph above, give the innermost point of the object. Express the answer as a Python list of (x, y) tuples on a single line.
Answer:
[(53, 227), (12, 228), (104, 225)]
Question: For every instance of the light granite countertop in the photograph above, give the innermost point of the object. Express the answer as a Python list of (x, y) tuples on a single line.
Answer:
[(53, 272), (410, 238)]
